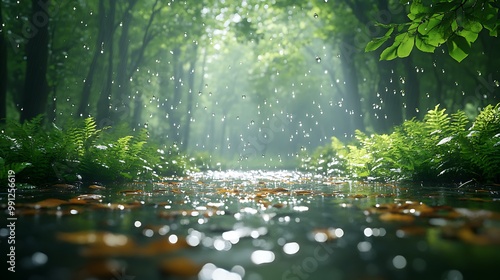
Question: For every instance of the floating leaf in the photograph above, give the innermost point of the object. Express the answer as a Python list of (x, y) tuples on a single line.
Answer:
[(97, 187), (182, 267), (411, 231), (131, 192), (49, 203), (103, 238), (84, 198), (395, 217)]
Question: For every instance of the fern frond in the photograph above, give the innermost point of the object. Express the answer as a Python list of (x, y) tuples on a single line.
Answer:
[(436, 121)]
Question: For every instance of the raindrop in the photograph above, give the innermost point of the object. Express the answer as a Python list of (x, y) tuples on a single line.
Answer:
[(244, 96), (318, 59), (315, 15)]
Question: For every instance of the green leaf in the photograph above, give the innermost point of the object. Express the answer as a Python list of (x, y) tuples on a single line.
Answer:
[(376, 43), (473, 26), (406, 47), (390, 53), (470, 36), (430, 25), (417, 7), (422, 45), (458, 48)]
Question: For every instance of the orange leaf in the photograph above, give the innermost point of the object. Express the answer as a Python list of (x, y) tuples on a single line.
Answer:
[(181, 266)]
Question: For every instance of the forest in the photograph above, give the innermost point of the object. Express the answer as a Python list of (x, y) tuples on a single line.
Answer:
[(252, 139), (244, 83)]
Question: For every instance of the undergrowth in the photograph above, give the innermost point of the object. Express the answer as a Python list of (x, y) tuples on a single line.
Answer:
[(83, 153), (441, 147)]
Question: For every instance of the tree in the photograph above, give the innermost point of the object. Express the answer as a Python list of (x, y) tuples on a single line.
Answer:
[(103, 104), (36, 90), (432, 23)]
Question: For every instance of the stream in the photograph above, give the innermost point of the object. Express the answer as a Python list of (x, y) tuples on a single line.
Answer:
[(254, 225)]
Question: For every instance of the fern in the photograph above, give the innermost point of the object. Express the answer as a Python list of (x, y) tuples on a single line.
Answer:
[(44, 155), (441, 147)]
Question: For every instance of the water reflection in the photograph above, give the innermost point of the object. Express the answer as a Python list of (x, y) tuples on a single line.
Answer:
[(268, 225)]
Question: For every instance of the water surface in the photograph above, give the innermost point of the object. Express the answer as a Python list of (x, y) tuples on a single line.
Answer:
[(256, 225)]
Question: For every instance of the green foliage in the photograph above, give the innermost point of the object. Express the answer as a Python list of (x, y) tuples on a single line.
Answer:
[(435, 22), (81, 152), (441, 147)]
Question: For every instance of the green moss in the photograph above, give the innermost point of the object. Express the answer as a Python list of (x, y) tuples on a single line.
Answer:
[(441, 147)]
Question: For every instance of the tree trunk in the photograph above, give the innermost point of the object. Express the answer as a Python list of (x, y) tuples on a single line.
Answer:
[(104, 117), (174, 111), (83, 108), (191, 93), (3, 71), (390, 110), (352, 100), (122, 78), (36, 89)]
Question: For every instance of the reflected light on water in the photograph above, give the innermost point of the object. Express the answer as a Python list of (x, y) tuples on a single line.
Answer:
[(173, 238), (399, 262), (211, 272), (364, 246), (300, 208), (262, 256), (115, 239), (222, 245), (231, 236), (291, 248)]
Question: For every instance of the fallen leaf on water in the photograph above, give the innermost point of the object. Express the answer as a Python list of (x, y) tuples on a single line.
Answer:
[(302, 192), (117, 206), (395, 217), (48, 203), (357, 196), (181, 266), (64, 186), (130, 248), (477, 199), (84, 198), (411, 231), (131, 192), (97, 187), (478, 214), (479, 236), (278, 205), (100, 238), (162, 246)]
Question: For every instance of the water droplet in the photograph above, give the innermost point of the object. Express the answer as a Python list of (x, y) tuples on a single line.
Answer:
[(318, 59), (315, 15)]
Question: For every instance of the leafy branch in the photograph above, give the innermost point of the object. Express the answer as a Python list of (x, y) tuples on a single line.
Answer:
[(435, 22)]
